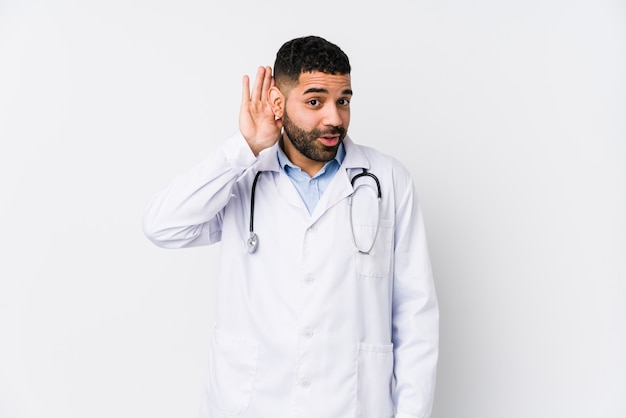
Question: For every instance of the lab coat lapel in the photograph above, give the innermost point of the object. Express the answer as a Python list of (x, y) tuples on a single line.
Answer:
[(288, 192), (340, 187), (268, 161)]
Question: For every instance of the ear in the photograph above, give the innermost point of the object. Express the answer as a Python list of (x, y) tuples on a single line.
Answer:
[(276, 100)]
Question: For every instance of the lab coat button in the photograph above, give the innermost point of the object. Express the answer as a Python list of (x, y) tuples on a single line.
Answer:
[(309, 279), (305, 382), (308, 333)]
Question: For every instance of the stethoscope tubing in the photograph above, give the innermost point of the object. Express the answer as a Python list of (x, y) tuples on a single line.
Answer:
[(354, 189), (253, 240)]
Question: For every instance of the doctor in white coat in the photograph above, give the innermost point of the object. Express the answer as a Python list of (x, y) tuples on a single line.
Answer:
[(326, 306)]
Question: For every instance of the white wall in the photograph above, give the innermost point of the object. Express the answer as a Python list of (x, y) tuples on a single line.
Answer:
[(511, 115)]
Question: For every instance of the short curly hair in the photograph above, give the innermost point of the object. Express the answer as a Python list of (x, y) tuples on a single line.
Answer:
[(308, 54)]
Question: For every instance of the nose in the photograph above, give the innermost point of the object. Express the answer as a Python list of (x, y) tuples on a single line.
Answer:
[(332, 116)]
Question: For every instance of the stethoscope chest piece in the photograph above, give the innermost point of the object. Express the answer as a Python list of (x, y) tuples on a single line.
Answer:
[(253, 243)]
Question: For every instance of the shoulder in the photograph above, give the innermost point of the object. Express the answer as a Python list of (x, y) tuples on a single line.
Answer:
[(380, 161), (395, 179)]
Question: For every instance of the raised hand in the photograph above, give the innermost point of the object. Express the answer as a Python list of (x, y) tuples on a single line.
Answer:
[(257, 122)]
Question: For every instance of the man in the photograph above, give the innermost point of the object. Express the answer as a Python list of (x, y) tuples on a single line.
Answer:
[(326, 306)]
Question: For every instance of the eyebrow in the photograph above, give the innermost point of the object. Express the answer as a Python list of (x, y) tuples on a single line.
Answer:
[(321, 90)]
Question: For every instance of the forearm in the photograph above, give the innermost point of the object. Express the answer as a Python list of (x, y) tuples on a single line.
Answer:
[(415, 358), (186, 212)]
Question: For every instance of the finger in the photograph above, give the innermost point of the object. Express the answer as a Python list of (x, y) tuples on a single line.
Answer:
[(258, 84), (267, 83), (245, 90)]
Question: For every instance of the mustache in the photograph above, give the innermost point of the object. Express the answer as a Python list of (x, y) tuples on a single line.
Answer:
[(336, 130)]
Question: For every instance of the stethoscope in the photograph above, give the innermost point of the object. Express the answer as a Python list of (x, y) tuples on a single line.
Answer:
[(253, 241)]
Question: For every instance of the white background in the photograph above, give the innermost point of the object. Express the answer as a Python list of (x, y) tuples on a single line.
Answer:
[(510, 114)]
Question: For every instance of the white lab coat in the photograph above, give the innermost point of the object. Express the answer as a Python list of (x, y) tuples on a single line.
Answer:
[(307, 326)]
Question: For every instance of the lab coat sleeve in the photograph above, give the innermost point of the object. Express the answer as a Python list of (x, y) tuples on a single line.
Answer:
[(415, 320), (188, 211)]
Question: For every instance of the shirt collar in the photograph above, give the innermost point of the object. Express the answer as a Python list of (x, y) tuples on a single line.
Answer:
[(353, 157), (286, 164)]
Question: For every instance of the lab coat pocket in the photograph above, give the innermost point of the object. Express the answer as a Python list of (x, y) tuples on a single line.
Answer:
[(232, 369), (374, 376), (378, 262)]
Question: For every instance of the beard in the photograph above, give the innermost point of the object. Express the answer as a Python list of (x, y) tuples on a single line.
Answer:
[(306, 141)]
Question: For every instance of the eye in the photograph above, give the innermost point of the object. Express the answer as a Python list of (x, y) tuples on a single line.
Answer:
[(314, 102), (343, 102)]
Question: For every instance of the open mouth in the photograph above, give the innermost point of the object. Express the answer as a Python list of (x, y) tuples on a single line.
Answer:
[(330, 141)]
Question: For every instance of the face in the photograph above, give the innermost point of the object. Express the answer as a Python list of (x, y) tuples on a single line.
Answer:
[(316, 116)]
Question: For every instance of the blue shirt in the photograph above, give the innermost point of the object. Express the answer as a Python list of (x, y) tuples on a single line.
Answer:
[(311, 188)]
